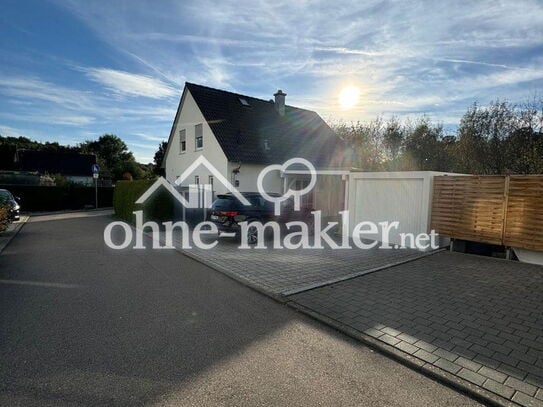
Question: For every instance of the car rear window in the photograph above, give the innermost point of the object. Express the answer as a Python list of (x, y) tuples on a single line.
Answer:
[(226, 204)]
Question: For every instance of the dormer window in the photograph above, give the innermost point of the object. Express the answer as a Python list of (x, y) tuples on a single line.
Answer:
[(244, 102)]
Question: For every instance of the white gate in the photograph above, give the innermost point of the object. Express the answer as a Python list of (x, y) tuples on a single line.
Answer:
[(404, 197)]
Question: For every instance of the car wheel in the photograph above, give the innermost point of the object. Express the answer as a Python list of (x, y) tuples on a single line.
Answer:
[(252, 235)]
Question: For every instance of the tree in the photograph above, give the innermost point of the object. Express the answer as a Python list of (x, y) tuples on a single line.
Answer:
[(394, 137), (524, 149), (113, 156), (10, 145), (501, 138), (423, 146), (366, 140), (159, 158)]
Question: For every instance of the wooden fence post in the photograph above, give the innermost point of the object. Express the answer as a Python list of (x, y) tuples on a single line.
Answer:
[(505, 205)]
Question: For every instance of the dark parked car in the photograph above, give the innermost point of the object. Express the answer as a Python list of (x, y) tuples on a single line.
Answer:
[(227, 212), (6, 198)]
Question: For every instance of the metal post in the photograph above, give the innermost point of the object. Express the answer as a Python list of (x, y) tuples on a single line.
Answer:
[(95, 171), (96, 192)]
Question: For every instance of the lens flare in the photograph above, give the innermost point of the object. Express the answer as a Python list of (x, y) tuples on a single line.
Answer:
[(349, 96)]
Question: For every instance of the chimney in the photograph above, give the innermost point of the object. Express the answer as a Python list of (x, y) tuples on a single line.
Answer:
[(280, 102)]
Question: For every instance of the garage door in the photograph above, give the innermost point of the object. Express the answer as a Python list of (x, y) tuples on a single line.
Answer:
[(379, 200)]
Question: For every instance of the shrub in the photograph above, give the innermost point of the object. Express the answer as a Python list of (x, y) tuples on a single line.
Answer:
[(4, 218), (158, 207)]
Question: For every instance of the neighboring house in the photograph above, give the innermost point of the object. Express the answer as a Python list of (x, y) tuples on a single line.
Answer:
[(240, 135), (73, 166)]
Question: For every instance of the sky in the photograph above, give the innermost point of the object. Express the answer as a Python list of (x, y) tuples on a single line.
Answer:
[(73, 70)]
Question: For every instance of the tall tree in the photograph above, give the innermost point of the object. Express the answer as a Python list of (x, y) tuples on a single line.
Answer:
[(394, 136), (113, 156), (366, 141), (159, 157), (422, 147)]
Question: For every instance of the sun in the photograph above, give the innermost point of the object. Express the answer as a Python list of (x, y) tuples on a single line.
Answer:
[(348, 97)]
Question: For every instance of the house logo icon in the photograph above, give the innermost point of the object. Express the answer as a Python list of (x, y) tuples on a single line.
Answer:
[(200, 195)]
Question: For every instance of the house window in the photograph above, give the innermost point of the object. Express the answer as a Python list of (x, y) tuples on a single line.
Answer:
[(199, 136), (182, 141), (244, 102), (197, 179), (210, 182)]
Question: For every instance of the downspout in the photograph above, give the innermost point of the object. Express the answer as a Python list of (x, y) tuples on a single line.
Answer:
[(235, 171)]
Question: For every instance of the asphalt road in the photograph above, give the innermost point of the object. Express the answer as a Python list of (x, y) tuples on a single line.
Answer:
[(82, 324)]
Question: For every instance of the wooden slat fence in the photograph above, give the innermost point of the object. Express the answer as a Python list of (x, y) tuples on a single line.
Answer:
[(503, 210), (524, 220)]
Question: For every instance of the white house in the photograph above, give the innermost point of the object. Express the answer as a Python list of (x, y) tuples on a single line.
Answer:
[(240, 135)]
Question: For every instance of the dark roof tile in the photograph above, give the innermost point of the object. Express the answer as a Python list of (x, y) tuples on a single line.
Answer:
[(244, 132)]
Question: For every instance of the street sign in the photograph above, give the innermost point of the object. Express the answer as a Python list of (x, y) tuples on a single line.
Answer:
[(95, 175), (95, 169)]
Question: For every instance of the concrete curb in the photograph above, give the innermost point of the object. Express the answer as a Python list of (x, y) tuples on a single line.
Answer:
[(414, 363), (331, 281), (233, 276), (8, 236), (227, 273), (446, 378), (427, 369)]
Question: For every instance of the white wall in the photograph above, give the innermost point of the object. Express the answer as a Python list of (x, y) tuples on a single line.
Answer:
[(248, 175), (529, 256), (177, 162), (392, 196)]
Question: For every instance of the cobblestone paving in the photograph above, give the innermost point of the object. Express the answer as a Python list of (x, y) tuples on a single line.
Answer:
[(476, 317), (283, 271)]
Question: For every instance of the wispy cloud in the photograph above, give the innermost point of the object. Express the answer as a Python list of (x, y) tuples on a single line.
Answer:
[(7, 131), (144, 146), (150, 138), (407, 58), (32, 89), (131, 84)]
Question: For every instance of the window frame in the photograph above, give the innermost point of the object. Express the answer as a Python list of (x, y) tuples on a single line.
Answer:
[(182, 141), (198, 128)]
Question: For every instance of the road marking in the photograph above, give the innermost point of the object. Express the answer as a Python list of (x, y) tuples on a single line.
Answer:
[(40, 284)]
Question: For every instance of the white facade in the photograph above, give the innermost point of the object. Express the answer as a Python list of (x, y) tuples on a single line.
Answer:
[(247, 176), (392, 196), (177, 161)]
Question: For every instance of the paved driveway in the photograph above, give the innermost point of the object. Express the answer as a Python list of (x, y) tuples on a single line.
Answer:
[(285, 272), (82, 325), (478, 318)]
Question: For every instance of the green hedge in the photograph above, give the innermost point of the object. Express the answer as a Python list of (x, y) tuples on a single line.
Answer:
[(4, 221), (159, 207), (56, 198)]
